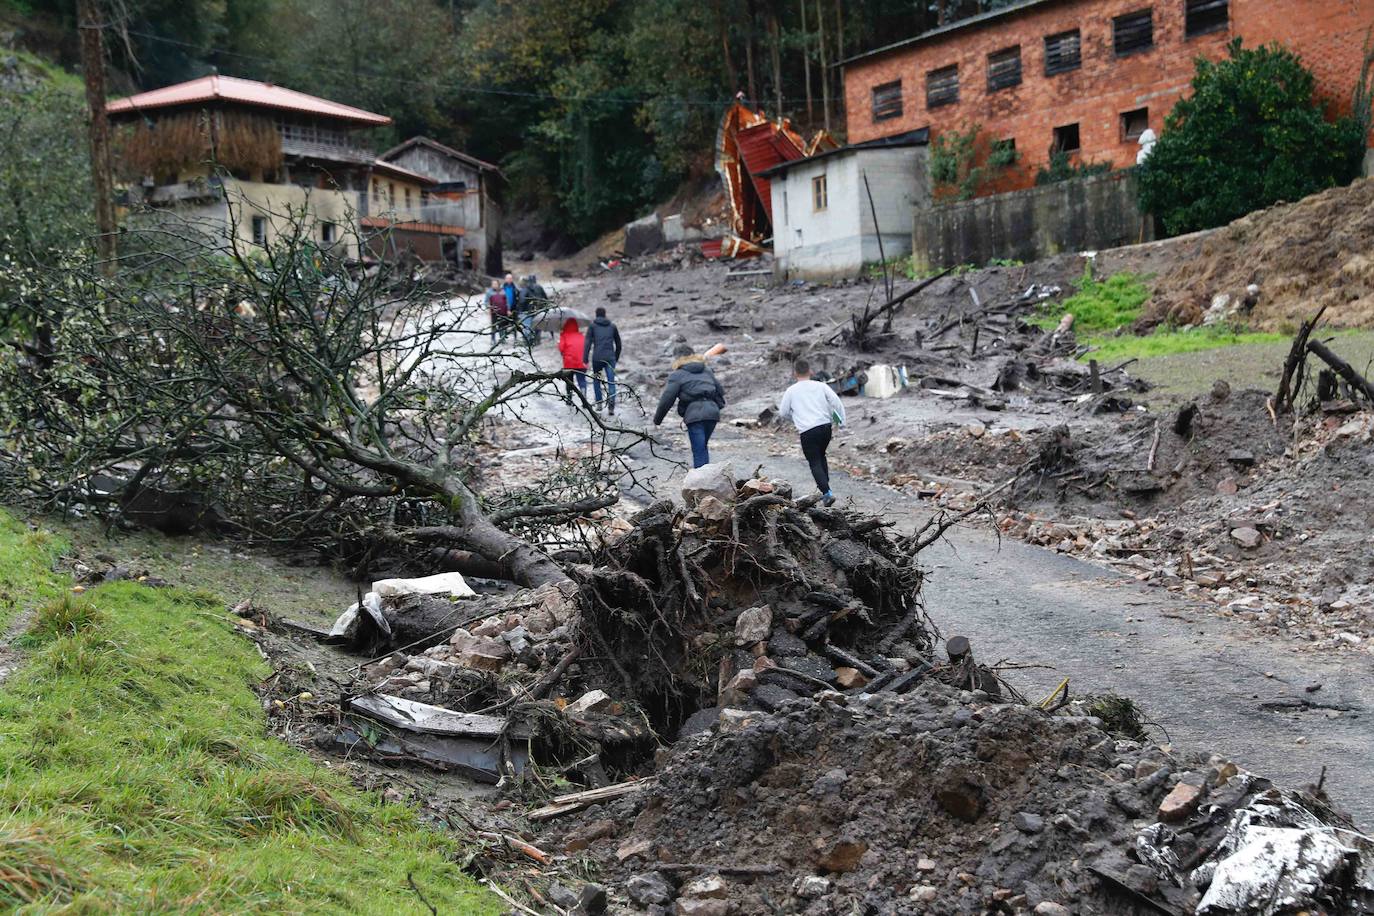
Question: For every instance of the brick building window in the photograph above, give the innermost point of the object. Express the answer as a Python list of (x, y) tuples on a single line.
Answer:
[(887, 101), (1004, 68), (1066, 139), (1134, 123), (1133, 32), (1063, 52), (942, 86), (1203, 16), (820, 194)]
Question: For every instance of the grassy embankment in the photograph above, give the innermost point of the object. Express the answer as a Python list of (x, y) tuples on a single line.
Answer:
[(139, 777), (1102, 308)]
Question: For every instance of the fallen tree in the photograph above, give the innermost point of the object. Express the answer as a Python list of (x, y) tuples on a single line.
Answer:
[(279, 394)]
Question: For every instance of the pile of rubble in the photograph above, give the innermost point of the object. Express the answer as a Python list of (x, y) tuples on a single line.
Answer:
[(947, 801), (743, 601)]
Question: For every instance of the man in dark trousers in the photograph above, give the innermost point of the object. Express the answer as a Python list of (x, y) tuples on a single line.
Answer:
[(699, 398), (602, 352), (812, 407)]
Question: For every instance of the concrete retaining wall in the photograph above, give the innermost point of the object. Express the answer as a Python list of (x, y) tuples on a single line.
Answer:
[(1082, 214)]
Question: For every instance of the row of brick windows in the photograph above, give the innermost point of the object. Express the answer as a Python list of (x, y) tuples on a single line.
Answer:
[(1132, 33)]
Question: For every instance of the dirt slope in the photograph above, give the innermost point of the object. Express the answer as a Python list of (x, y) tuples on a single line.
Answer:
[(1318, 251)]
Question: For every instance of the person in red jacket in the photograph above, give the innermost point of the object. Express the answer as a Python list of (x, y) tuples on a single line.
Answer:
[(570, 344)]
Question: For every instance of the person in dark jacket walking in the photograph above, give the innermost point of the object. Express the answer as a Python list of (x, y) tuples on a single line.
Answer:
[(602, 352), (699, 398)]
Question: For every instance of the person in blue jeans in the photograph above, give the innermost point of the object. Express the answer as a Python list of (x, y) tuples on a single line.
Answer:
[(601, 352), (699, 398)]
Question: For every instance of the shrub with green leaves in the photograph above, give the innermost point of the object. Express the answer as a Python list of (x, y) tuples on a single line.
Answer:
[(1249, 135)]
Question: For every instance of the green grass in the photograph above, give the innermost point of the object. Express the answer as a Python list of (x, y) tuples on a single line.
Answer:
[(138, 775), (1100, 305), (1166, 342)]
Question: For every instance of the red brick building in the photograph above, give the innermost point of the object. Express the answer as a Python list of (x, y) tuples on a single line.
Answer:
[(1086, 76)]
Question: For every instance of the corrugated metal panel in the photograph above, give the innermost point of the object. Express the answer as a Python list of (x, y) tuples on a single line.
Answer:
[(245, 92), (763, 147)]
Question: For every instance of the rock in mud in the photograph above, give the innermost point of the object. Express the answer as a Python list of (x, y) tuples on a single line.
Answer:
[(716, 480), (1246, 536), (649, 887)]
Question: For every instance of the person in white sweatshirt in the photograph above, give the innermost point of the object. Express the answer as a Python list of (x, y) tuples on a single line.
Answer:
[(812, 407)]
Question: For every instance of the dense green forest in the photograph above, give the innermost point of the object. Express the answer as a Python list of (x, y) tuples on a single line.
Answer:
[(595, 109)]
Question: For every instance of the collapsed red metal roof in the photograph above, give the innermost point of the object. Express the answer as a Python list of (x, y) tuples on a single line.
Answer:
[(748, 144), (216, 88)]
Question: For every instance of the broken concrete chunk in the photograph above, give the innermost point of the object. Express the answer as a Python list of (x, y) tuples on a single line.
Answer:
[(699, 906), (712, 886), (809, 887), (1180, 802), (716, 480), (480, 652), (753, 625), (449, 583), (1246, 536), (591, 701)]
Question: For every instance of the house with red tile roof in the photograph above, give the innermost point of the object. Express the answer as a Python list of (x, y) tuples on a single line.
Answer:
[(238, 158)]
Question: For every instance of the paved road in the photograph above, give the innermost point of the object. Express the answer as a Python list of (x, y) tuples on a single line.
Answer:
[(1204, 679)]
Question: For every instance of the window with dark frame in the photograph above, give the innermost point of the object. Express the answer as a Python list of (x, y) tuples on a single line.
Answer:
[(1066, 139), (1133, 32), (887, 101), (327, 233), (1004, 68), (1134, 123), (260, 231), (1204, 16), (820, 194), (1063, 52), (942, 86)]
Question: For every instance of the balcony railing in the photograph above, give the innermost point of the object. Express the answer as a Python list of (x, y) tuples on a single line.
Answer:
[(445, 214)]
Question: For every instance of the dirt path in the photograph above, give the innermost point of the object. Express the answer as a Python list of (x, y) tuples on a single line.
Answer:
[(1203, 679)]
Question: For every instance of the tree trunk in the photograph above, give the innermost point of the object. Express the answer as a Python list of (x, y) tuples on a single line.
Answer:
[(527, 565), (775, 32), (806, 65), (90, 25), (749, 51), (825, 73), (723, 27)]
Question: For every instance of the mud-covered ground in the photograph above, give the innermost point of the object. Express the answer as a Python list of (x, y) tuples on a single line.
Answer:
[(1249, 512)]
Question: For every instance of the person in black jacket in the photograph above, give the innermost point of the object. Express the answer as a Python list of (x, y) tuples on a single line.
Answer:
[(699, 399), (601, 352)]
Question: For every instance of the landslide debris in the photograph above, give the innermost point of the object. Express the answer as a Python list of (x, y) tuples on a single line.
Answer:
[(949, 802), (1301, 256)]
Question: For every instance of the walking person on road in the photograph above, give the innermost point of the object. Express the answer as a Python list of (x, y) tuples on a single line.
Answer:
[(498, 310), (570, 343), (533, 299), (602, 352), (699, 398), (812, 407), (515, 303)]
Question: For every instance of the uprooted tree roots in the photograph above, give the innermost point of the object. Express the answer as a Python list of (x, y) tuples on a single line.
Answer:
[(660, 607)]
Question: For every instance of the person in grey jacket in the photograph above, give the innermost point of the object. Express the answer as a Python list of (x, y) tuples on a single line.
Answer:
[(601, 352), (699, 398)]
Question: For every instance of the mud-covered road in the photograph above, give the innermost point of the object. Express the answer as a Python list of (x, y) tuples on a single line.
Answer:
[(1208, 682)]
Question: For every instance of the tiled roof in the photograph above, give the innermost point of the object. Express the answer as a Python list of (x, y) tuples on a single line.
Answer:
[(244, 92), (440, 148)]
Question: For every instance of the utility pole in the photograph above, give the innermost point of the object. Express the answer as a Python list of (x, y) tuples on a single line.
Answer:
[(90, 26)]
